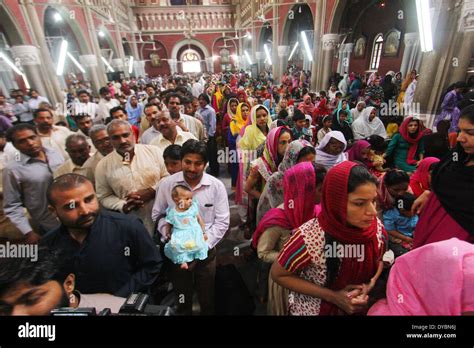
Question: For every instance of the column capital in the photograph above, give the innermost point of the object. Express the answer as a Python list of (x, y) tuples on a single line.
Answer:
[(330, 41), (466, 21), (26, 54), (88, 60), (283, 51), (411, 39)]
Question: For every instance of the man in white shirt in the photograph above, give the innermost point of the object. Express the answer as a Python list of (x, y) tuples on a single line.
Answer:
[(35, 100), (85, 106), (105, 104), (101, 141), (213, 204), (126, 178), (79, 150), (187, 123), (152, 111), (84, 123), (51, 136), (169, 133)]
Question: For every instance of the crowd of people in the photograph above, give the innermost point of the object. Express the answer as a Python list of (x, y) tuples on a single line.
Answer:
[(344, 203)]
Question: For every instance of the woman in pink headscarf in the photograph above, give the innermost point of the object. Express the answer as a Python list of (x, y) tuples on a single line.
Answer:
[(306, 106), (435, 279), (420, 181), (302, 186), (359, 152)]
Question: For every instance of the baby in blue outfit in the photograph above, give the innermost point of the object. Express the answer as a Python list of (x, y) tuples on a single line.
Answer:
[(186, 228)]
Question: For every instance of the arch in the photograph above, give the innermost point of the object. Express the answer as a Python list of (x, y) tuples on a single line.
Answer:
[(106, 40), (186, 42), (300, 19), (77, 33), (196, 50), (10, 27), (266, 33)]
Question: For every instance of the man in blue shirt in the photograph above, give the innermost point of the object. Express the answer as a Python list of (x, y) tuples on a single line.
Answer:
[(209, 116), (113, 253)]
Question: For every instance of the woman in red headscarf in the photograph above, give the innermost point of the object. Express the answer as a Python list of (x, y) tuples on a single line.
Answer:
[(302, 184), (319, 264), (407, 145), (420, 181)]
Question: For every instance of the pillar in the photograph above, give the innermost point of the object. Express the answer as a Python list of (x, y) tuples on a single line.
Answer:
[(173, 63), (51, 84), (118, 37), (260, 57), (343, 64), (31, 62), (275, 40), (329, 43), (317, 47), (210, 64), (283, 53), (410, 53)]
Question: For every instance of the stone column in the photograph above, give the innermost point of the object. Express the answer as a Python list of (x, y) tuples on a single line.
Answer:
[(343, 64), (100, 69), (7, 79), (283, 53), (316, 67), (275, 40), (118, 37), (47, 69), (260, 56), (410, 53), (31, 62), (210, 64), (329, 44), (173, 63)]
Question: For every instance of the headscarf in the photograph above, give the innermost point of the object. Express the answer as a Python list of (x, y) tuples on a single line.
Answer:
[(355, 152), (274, 185), (299, 185), (371, 79), (333, 221), (447, 290), (453, 184), (356, 113), (349, 114), (412, 141), (134, 114), (218, 98), (270, 153), (307, 109), (419, 181), (325, 159), (363, 127), (253, 136), (237, 121)]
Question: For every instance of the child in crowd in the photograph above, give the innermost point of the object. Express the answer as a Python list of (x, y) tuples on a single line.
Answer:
[(310, 128), (185, 229), (172, 158), (327, 124), (300, 131), (378, 146), (400, 223)]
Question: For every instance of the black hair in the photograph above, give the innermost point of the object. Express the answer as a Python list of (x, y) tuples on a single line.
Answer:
[(205, 97), (2, 134), (173, 152), (283, 114), (193, 146), (152, 97), (174, 191), (468, 113), (460, 84), (80, 116), (406, 201), (37, 112), (322, 93), (443, 126), (186, 100), (338, 94), (104, 90), (343, 112), (115, 109), (358, 176), (394, 177), (305, 151), (172, 95), (377, 143), (19, 127), (82, 91), (15, 271), (65, 182), (150, 105), (298, 115)]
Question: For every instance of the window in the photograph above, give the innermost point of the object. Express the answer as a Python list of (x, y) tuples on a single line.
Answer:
[(191, 62), (376, 52)]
